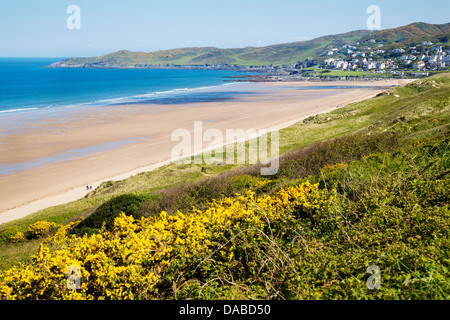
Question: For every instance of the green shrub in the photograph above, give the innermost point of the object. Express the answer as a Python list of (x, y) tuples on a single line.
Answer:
[(105, 214)]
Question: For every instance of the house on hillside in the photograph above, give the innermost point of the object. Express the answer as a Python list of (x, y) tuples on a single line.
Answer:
[(380, 66), (329, 61), (427, 43), (419, 65), (437, 48), (339, 64), (438, 65), (347, 46), (409, 57), (369, 65), (399, 50)]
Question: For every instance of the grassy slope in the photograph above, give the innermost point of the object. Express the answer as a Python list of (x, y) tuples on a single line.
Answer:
[(390, 209), (401, 108), (281, 54)]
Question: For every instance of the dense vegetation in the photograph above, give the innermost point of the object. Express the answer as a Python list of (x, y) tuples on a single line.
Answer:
[(281, 54), (371, 192)]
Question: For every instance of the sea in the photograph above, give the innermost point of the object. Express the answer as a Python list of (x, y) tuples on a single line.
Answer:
[(26, 85)]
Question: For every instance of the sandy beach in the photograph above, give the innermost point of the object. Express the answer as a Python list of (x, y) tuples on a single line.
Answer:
[(58, 157)]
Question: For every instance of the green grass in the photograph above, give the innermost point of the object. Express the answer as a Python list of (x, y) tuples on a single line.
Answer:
[(420, 110), (340, 73)]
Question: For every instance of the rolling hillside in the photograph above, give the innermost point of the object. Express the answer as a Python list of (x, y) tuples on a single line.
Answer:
[(276, 55)]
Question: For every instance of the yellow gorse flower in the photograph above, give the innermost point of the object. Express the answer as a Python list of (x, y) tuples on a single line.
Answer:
[(40, 228), (336, 166), (127, 261), (19, 236)]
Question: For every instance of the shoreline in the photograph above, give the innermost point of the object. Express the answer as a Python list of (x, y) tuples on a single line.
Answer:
[(281, 108)]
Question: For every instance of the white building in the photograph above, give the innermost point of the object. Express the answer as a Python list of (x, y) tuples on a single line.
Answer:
[(419, 65), (399, 50), (369, 65), (403, 58), (437, 64), (380, 66), (340, 64)]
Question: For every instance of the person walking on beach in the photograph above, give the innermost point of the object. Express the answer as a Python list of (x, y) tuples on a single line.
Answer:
[(87, 187)]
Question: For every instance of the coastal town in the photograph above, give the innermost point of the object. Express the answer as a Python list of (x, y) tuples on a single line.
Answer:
[(370, 56)]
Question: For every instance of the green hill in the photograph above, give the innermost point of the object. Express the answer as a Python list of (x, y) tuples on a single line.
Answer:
[(276, 55)]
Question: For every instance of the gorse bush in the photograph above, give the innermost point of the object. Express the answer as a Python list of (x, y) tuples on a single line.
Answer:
[(148, 258), (19, 236), (40, 228)]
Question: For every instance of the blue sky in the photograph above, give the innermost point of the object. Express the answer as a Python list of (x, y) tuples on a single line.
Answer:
[(37, 28)]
